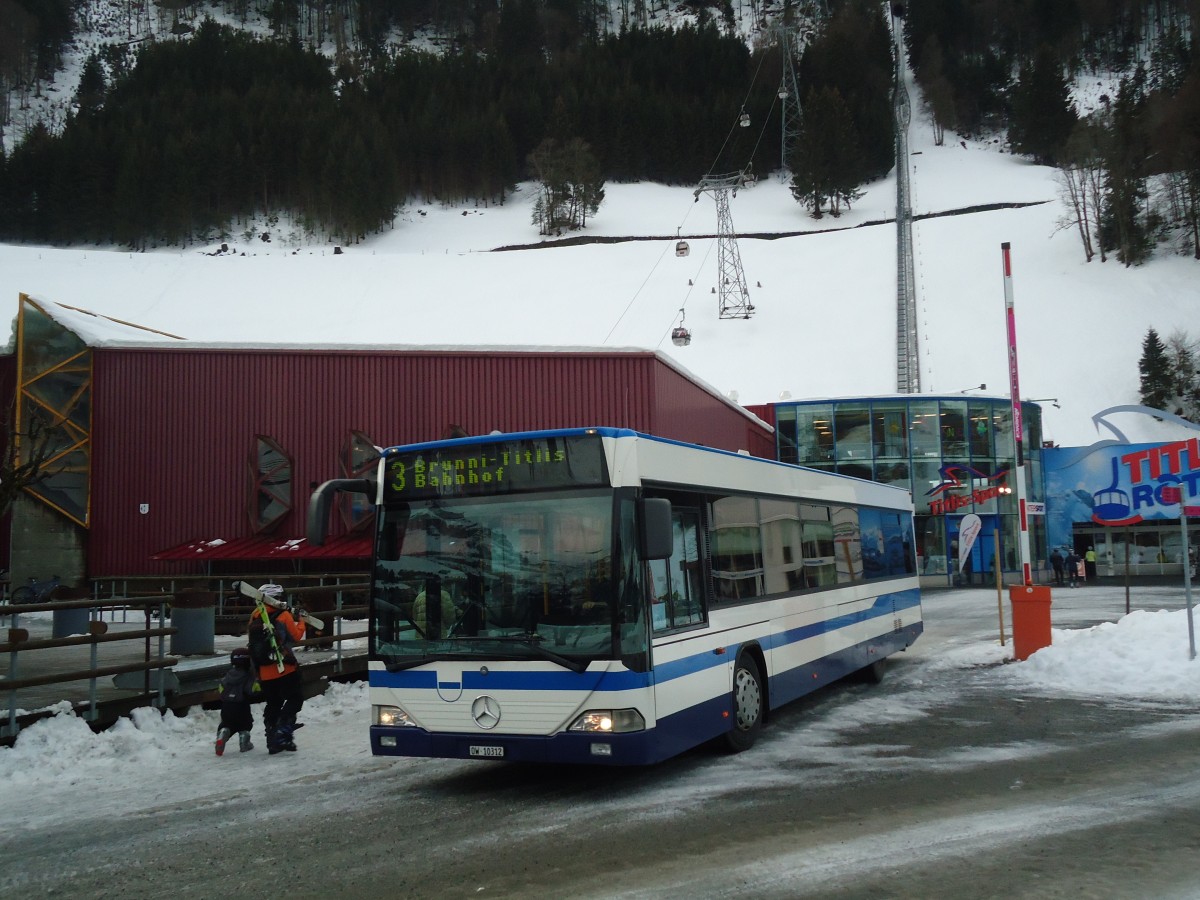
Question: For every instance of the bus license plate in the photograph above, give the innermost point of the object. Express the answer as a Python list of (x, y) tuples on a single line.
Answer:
[(477, 750)]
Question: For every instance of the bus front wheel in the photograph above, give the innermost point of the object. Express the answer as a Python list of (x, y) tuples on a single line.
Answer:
[(747, 704)]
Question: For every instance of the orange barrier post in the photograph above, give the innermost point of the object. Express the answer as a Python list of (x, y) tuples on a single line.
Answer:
[(1030, 618)]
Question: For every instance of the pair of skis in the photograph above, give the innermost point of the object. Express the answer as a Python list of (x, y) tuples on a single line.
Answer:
[(263, 604)]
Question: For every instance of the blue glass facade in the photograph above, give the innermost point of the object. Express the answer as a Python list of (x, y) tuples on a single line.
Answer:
[(954, 453)]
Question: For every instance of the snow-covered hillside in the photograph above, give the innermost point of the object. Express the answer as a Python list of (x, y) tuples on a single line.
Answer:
[(824, 293)]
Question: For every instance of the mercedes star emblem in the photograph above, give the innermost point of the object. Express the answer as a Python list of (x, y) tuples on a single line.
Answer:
[(486, 712)]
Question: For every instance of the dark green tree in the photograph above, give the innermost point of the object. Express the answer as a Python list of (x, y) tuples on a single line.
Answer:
[(939, 94), (90, 94), (569, 185), (1040, 113), (977, 42), (1185, 385), (852, 56), (1123, 227), (1154, 372), (825, 159), (1173, 119)]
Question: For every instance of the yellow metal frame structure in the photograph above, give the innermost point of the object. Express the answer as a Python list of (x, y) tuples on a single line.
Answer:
[(54, 384)]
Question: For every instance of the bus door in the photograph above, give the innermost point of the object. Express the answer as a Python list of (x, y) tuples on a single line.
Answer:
[(676, 583), (684, 676)]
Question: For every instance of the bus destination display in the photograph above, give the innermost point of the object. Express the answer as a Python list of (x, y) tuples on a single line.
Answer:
[(499, 468)]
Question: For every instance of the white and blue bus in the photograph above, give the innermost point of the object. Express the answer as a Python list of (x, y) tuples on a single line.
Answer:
[(603, 596)]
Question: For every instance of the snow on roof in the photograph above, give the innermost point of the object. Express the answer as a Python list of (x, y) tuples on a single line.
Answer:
[(104, 332), (98, 330)]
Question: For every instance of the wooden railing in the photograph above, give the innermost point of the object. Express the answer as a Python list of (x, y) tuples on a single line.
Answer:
[(334, 599), (18, 642)]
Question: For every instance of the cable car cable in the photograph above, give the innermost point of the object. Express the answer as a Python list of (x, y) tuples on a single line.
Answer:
[(688, 295), (737, 123)]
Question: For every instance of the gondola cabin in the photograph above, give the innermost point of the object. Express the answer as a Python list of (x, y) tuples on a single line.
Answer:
[(682, 248), (680, 336)]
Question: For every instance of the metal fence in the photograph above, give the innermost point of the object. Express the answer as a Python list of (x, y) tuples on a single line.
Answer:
[(140, 614)]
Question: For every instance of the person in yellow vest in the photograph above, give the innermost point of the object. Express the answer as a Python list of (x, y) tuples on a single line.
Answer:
[(1089, 564), (420, 616)]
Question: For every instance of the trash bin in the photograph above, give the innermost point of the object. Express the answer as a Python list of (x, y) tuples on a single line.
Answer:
[(70, 621), (1030, 618), (193, 615)]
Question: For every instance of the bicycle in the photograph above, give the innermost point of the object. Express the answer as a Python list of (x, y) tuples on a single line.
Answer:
[(36, 591)]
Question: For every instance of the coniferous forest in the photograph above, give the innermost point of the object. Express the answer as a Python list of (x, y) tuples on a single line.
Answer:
[(191, 137)]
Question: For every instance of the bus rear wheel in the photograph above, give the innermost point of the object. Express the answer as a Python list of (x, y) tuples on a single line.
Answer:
[(747, 705), (873, 674)]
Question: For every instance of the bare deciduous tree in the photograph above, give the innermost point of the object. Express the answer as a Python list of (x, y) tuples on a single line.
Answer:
[(29, 457), (1081, 183)]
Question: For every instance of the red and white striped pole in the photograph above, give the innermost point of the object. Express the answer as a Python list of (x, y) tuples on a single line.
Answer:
[(1014, 391)]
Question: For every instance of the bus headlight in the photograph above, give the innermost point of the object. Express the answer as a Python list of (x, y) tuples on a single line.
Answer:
[(391, 715), (609, 721)]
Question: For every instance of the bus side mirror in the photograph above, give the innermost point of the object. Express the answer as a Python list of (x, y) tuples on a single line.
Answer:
[(654, 528), (321, 500)]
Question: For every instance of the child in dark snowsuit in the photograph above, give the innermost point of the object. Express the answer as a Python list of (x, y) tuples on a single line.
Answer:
[(1072, 564), (237, 689)]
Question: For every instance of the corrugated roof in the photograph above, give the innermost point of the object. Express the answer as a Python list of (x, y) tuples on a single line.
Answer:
[(353, 546)]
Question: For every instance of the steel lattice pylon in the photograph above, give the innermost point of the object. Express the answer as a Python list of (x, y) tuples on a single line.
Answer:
[(732, 293), (908, 363), (789, 95)]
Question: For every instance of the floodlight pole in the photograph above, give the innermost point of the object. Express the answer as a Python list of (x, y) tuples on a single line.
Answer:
[(1179, 493), (1187, 573), (1014, 389)]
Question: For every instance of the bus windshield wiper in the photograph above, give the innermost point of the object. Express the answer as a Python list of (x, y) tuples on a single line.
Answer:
[(531, 641)]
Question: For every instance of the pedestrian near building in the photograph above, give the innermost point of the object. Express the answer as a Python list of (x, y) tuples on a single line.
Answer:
[(1089, 563), (238, 688), (1056, 563), (283, 691), (1072, 564)]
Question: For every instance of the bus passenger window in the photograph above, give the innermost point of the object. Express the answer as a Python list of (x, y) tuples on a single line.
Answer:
[(737, 558), (846, 537)]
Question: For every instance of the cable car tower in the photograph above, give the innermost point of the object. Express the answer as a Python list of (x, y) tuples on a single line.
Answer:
[(789, 93), (733, 295)]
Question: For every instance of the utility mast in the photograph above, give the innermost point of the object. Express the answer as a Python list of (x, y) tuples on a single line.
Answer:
[(733, 295), (789, 93), (908, 363)]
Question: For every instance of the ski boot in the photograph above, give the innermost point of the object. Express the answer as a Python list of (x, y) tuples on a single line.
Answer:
[(223, 734), (284, 739), (244, 741)]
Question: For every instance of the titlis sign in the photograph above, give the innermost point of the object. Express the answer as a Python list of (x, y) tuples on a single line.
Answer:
[(1159, 476)]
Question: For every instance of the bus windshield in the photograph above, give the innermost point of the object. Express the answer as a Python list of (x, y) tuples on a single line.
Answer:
[(521, 577)]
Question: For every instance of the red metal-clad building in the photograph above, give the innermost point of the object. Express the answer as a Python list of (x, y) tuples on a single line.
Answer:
[(176, 442)]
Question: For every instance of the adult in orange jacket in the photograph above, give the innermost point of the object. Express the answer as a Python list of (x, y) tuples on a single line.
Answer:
[(283, 691)]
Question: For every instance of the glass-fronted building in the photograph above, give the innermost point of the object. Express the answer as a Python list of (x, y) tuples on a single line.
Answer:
[(954, 453)]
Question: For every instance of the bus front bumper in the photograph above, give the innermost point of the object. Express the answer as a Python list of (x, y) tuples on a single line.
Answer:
[(632, 749)]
